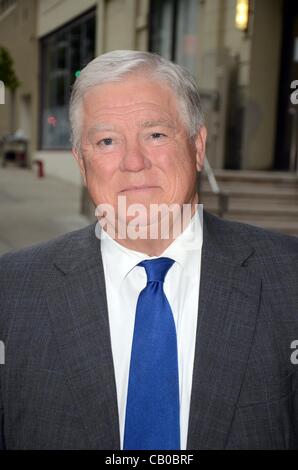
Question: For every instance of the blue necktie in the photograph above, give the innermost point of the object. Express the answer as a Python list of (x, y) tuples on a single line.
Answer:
[(152, 409)]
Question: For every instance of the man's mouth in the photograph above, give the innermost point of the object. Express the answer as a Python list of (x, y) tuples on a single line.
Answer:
[(138, 188)]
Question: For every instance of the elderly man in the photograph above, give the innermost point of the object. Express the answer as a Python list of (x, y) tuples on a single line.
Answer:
[(142, 332)]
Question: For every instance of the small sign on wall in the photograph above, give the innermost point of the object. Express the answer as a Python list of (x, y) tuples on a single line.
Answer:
[(2, 93)]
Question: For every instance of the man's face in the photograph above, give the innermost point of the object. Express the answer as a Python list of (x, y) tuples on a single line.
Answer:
[(134, 144)]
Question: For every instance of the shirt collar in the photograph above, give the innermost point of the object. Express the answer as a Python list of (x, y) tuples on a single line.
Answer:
[(183, 250)]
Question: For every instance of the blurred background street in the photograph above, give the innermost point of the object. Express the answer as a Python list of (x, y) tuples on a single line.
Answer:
[(34, 209)]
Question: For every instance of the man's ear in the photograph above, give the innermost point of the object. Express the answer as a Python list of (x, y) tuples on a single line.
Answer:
[(200, 143), (80, 161)]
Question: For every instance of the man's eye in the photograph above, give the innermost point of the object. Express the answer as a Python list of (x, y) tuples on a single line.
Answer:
[(105, 142), (157, 135)]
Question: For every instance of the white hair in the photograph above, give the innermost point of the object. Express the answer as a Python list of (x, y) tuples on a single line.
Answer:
[(113, 66)]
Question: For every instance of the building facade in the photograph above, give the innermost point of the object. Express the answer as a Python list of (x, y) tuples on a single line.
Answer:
[(244, 55), (18, 36)]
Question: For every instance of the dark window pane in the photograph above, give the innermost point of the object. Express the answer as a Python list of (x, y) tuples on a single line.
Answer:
[(89, 40), (162, 17), (174, 31), (61, 57), (187, 34), (75, 49), (60, 91), (63, 53)]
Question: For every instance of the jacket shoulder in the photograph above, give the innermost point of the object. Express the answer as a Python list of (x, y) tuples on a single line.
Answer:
[(25, 272), (44, 252), (265, 242)]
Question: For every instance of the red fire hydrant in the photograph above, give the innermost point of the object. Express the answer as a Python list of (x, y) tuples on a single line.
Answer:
[(40, 168)]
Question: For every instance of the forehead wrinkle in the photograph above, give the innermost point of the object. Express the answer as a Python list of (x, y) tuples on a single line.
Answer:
[(125, 109), (142, 124), (102, 115), (157, 122), (103, 127)]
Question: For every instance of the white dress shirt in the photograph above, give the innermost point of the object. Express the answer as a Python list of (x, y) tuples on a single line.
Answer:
[(124, 282)]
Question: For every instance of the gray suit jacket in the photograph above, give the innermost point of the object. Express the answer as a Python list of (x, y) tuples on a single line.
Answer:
[(57, 387)]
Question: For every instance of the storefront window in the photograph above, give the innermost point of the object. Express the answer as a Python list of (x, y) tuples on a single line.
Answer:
[(63, 53)]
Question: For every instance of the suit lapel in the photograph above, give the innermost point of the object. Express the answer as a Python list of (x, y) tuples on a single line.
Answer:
[(228, 306), (78, 310)]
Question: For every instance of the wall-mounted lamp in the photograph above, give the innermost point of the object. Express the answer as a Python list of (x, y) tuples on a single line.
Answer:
[(242, 15)]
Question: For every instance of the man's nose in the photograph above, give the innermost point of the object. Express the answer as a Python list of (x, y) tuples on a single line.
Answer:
[(134, 158)]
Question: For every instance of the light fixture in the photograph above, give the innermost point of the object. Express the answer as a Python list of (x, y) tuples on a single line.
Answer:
[(242, 14)]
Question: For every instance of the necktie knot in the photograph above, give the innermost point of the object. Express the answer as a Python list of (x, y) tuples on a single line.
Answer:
[(156, 269)]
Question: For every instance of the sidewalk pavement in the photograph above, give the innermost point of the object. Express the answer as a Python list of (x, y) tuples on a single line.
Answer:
[(36, 209)]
